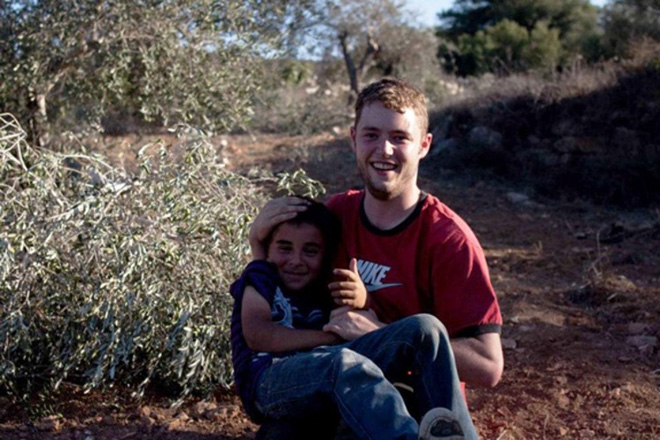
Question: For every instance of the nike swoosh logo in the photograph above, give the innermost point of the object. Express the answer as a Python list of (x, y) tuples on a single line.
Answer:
[(374, 287)]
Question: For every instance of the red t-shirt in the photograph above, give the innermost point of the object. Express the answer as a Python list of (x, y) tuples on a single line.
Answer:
[(430, 263)]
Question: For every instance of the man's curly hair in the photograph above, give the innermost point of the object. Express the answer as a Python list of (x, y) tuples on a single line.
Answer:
[(397, 95)]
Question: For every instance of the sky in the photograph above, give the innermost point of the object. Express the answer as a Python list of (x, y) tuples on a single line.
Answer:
[(429, 9)]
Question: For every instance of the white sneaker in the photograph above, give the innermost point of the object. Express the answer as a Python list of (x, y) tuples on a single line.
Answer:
[(440, 424)]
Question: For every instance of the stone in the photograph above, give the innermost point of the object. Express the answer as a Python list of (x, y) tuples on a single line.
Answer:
[(178, 423), (484, 137), (642, 342), (509, 344), (563, 401), (147, 421), (445, 145), (545, 157), (533, 141), (566, 144), (217, 414), (564, 127), (201, 409), (50, 423), (517, 198), (627, 139), (638, 328)]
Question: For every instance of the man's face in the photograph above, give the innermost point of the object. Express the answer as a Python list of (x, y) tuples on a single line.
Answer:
[(388, 146)]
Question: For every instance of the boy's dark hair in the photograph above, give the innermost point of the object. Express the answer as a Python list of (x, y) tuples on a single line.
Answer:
[(397, 95), (319, 216)]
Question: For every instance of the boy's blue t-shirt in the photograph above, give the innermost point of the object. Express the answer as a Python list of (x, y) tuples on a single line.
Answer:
[(309, 309)]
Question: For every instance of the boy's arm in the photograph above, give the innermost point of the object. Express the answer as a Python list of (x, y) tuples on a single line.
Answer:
[(262, 334)]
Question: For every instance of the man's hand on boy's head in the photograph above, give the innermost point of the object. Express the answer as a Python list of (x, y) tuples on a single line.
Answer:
[(272, 214), (349, 290)]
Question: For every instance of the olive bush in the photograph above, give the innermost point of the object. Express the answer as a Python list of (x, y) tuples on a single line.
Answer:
[(63, 63), (107, 277)]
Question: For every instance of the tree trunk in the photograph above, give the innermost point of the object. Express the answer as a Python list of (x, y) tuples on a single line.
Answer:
[(350, 68), (355, 73), (38, 130)]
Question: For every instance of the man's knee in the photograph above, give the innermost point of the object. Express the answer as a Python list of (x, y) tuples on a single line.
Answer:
[(346, 359), (427, 324), (351, 367)]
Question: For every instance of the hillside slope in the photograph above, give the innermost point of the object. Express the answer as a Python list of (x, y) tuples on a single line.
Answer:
[(591, 135)]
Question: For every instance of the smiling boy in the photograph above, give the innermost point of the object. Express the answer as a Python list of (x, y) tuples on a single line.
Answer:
[(281, 300)]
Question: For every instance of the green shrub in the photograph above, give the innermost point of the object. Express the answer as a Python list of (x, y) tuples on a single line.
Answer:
[(108, 277), (509, 47)]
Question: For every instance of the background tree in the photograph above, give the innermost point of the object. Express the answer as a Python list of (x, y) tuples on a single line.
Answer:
[(373, 37), (355, 28), (520, 34), (504, 48), (626, 22), (407, 51), (182, 60)]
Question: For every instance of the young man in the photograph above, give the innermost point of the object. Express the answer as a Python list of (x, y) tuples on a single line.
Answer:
[(287, 368), (414, 254)]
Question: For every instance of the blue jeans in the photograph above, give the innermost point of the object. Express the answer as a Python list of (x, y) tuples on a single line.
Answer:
[(354, 380)]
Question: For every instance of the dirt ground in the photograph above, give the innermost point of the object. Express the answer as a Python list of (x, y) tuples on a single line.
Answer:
[(578, 285)]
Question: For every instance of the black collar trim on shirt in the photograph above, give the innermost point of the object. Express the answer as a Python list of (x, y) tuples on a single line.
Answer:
[(398, 228)]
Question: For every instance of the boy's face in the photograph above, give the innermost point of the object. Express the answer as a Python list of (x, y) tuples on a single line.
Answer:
[(297, 251), (388, 146)]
